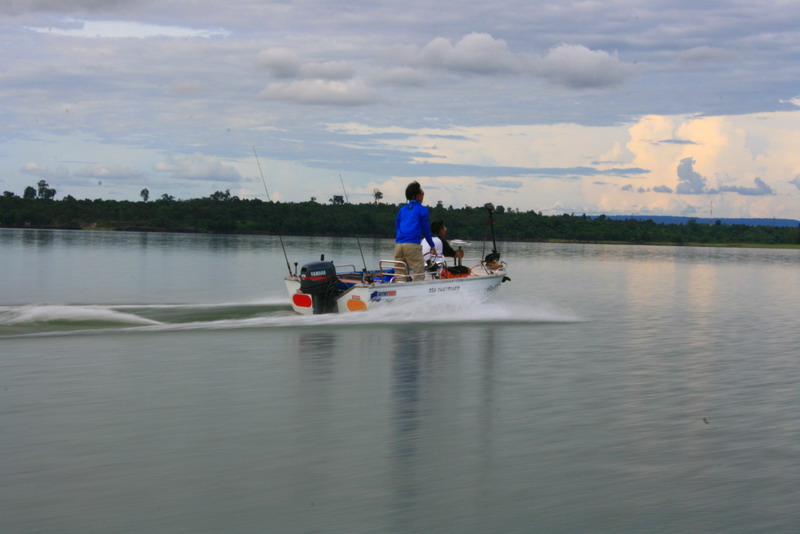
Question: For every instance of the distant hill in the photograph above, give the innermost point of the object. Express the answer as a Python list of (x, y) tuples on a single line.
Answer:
[(668, 219)]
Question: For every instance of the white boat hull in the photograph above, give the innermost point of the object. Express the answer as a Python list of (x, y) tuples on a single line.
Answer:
[(364, 296)]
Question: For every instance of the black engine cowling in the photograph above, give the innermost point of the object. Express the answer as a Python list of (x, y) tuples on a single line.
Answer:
[(318, 279), (317, 276)]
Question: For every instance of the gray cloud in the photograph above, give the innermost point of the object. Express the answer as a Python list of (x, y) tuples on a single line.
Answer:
[(578, 67), (503, 184), (93, 174), (17, 7), (317, 83), (568, 65), (107, 172), (322, 92), (689, 181), (280, 62), (760, 189), (677, 142), (286, 64), (704, 54), (389, 163), (60, 173), (403, 77), (688, 210), (796, 181), (656, 189), (198, 167), (476, 53)]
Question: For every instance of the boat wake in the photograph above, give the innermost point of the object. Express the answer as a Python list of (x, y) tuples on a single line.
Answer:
[(86, 319)]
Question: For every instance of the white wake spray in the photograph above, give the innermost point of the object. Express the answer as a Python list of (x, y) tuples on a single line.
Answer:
[(40, 314), (271, 312)]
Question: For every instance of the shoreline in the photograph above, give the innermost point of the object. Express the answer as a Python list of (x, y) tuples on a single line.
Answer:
[(375, 236)]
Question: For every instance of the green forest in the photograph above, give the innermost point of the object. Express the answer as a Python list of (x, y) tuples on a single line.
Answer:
[(223, 213)]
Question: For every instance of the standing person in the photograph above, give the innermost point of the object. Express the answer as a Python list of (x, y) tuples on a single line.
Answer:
[(411, 225), (442, 247)]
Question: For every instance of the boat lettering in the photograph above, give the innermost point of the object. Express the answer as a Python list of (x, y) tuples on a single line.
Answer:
[(376, 295), (443, 289), (317, 273)]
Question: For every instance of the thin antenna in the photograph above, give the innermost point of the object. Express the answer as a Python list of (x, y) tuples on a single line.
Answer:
[(344, 190), (268, 198), (357, 240)]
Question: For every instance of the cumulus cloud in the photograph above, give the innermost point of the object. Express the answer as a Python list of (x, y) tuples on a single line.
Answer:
[(690, 182), (578, 67), (336, 83), (476, 53), (198, 167), (662, 189), (325, 83), (760, 189), (353, 92)]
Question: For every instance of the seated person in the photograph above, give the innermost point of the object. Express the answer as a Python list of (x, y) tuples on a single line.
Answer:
[(443, 248)]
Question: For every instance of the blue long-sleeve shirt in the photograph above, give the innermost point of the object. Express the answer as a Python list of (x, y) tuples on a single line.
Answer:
[(412, 224)]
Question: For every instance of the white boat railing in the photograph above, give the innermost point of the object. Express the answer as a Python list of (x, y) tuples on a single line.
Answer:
[(386, 265), (390, 271)]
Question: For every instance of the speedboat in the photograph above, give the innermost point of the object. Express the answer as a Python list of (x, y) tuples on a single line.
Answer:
[(322, 287)]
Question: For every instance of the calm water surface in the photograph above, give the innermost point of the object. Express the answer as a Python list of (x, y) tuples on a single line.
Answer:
[(161, 383)]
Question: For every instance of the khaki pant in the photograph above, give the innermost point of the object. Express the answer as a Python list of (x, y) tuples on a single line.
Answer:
[(411, 253)]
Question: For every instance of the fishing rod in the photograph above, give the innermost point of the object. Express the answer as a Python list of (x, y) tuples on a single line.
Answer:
[(357, 240), (268, 198)]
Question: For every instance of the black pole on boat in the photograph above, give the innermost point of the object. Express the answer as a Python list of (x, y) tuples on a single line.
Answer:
[(490, 208), (494, 256), (357, 240), (280, 237)]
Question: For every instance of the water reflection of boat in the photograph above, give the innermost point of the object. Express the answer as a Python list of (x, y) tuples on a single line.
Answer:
[(322, 287)]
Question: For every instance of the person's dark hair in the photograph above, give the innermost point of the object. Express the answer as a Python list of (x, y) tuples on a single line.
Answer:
[(436, 227), (413, 190)]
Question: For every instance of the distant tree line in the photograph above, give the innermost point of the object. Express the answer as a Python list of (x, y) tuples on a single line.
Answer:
[(226, 213)]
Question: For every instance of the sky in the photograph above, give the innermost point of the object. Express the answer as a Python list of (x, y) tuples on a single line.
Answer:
[(660, 107)]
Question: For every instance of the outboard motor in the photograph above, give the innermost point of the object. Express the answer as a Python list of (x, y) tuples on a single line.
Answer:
[(318, 279)]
